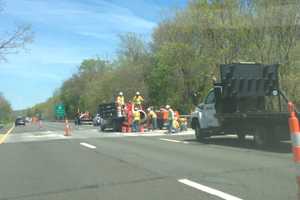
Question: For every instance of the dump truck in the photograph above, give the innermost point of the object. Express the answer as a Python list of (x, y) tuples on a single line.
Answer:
[(114, 117), (109, 117), (248, 100)]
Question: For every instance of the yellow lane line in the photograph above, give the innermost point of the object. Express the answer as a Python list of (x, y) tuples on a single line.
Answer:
[(2, 140)]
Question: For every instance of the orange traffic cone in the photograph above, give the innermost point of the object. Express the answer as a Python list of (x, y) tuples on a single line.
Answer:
[(295, 132), (67, 128), (295, 137)]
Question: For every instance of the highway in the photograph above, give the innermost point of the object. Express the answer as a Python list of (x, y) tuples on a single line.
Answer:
[(41, 163)]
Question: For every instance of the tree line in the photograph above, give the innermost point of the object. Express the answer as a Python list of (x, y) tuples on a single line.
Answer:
[(183, 55)]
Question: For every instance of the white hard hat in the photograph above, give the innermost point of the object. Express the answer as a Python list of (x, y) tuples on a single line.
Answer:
[(121, 93), (167, 106), (149, 109), (137, 93)]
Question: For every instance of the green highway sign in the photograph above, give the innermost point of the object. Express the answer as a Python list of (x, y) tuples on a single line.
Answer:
[(60, 110)]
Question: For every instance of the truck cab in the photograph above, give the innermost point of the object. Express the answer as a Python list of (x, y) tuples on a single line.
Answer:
[(239, 104), (205, 112)]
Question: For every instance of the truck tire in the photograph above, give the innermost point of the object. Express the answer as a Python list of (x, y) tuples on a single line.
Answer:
[(102, 128), (241, 137), (198, 133), (260, 137), (116, 126)]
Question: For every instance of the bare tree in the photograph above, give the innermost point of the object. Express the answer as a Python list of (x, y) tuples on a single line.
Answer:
[(12, 42)]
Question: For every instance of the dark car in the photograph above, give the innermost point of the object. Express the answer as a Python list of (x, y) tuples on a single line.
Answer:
[(20, 121)]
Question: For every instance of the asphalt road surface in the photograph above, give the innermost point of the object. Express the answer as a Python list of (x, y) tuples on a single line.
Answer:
[(41, 163)]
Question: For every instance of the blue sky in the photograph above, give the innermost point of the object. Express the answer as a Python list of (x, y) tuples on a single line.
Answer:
[(65, 33)]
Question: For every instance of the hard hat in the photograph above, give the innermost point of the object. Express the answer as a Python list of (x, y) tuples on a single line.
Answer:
[(167, 106), (121, 93), (149, 109), (135, 108), (137, 93)]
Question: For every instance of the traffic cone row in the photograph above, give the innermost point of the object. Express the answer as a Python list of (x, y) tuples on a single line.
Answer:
[(67, 128), (295, 137), (128, 129)]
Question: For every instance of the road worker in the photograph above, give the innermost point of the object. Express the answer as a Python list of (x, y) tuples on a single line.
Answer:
[(183, 123), (120, 100), (136, 120), (176, 125), (152, 116), (138, 100), (171, 116)]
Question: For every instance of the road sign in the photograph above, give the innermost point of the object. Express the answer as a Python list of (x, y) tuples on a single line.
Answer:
[(60, 110)]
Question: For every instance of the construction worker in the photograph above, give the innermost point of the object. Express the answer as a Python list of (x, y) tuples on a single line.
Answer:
[(138, 100), (171, 116), (120, 100), (136, 120), (153, 118), (183, 124)]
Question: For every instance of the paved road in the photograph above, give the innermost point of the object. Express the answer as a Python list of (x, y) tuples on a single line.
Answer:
[(93, 165)]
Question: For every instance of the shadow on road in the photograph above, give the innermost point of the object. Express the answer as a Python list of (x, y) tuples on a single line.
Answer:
[(282, 147)]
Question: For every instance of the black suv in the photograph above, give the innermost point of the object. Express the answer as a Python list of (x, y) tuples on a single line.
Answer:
[(20, 121)]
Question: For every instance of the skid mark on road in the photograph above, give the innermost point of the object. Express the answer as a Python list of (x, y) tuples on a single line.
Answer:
[(208, 190), (88, 145), (175, 141)]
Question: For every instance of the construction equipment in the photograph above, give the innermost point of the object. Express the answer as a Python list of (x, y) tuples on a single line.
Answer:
[(113, 118), (110, 117), (246, 101), (85, 119)]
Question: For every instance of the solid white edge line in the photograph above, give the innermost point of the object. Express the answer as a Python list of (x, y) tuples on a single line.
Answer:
[(208, 190), (170, 140), (176, 141), (88, 145)]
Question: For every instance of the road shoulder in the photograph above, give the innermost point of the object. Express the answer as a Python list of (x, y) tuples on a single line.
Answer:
[(3, 136)]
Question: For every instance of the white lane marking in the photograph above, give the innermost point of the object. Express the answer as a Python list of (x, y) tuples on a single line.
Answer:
[(176, 141), (87, 145), (208, 190)]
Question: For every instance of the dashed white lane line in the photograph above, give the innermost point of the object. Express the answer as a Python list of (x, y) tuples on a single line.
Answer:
[(88, 145), (176, 141), (208, 190)]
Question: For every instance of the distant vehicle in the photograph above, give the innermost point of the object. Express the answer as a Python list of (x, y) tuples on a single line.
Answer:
[(97, 120), (28, 119), (20, 121), (248, 100), (85, 118)]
